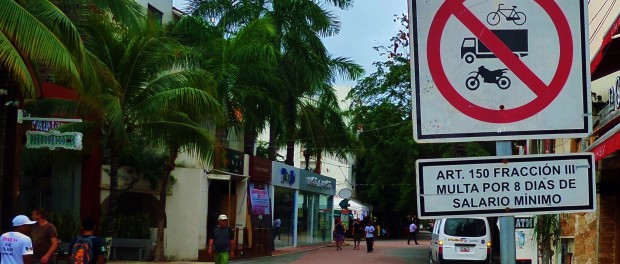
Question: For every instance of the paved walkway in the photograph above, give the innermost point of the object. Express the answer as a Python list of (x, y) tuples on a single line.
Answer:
[(385, 251)]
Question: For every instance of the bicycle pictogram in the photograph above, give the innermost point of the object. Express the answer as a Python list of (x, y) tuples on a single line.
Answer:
[(494, 18)]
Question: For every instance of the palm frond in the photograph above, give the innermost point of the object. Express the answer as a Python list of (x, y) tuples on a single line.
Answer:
[(34, 42)]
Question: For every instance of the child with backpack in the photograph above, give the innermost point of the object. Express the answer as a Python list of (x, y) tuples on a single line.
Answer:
[(87, 248)]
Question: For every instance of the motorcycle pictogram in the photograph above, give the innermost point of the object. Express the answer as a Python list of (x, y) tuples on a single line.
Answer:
[(496, 76)]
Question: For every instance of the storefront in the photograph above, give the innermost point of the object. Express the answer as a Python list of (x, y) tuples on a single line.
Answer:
[(314, 208), (285, 185)]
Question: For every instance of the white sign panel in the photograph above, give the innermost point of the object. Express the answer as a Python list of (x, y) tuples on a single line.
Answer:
[(510, 185), (499, 70)]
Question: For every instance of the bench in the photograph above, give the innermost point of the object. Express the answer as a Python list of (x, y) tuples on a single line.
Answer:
[(123, 248)]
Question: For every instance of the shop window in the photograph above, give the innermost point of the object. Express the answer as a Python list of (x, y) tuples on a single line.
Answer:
[(568, 247)]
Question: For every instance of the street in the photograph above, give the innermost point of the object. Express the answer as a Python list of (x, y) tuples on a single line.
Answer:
[(385, 251)]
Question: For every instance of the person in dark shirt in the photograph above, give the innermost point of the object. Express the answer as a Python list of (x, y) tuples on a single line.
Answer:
[(44, 238), (97, 243), (222, 238), (339, 232), (358, 232)]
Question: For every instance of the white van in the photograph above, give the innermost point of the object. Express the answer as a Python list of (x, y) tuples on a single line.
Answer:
[(461, 240)]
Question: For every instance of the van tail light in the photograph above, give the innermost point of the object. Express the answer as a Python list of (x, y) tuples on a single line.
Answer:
[(440, 250), (489, 247)]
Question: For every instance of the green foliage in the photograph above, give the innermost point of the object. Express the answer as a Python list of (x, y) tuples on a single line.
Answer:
[(67, 224), (128, 226), (381, 115), (146, 161), (547, 230)]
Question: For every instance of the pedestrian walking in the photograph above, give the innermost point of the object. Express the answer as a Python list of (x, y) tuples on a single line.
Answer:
[(16, 245), (358, 232), (44, 238), (222, 238), (370, 233), (86, 248), (277, 223), (339, 233), (413, 228)]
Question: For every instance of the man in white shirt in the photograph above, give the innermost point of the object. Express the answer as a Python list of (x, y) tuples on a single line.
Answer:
[(412, 233), (370, 233), (16, 246)]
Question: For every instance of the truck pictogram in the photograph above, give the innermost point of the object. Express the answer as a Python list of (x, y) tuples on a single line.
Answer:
[(515, 39)]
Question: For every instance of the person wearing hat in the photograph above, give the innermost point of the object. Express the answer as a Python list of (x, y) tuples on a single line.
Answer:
[(16, 245), (222, 241)]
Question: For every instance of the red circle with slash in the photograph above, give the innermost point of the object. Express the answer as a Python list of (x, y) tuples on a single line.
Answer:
[(545, 94)]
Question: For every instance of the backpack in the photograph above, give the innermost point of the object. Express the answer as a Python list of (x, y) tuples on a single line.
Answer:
[(82, 251)]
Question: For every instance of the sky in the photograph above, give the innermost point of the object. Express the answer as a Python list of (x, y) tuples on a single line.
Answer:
[(367, 24)]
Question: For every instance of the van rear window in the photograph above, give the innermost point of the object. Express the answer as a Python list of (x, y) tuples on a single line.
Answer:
[(465, 227)]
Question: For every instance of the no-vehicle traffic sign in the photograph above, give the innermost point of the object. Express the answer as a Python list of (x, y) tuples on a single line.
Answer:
[(488, 70)]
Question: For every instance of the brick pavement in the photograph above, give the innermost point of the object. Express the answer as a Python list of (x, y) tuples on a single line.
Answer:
[(385, 251)]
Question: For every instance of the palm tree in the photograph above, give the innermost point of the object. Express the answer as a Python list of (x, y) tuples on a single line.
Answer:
[(33, 35), (243, 64), (322, 127), (139, 74), (303, 60), (37, 34), (167, 122)]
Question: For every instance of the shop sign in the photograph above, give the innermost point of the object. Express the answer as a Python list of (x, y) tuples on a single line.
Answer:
[(314, 181), (233, 162), (260, 169), (284, 175), (524, 222), (317, 183), (46, 125), (614, 97), (54, 139)]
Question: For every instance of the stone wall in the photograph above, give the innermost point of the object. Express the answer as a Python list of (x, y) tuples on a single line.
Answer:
[(584, 228)]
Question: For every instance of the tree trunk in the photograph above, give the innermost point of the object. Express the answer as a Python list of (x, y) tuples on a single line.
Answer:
[(249, 142), (161, 220), (290, 152), (114, 192), (291, 126), (273, 144), (317, 168), (219, 145)]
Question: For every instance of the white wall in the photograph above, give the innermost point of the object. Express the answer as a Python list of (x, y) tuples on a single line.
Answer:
[(186, 210), (165, 6)]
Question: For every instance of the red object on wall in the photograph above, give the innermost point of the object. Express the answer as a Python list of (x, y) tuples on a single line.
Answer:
[(609, 146), (260, 169), (605, 60), (91, 164)]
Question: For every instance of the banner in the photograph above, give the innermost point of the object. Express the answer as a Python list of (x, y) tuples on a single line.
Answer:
[(260, 202)]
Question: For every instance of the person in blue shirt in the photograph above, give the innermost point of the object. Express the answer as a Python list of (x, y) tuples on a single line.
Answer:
[(96, 244)]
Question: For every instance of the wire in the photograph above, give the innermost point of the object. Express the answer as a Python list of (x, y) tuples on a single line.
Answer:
[(337, 135)]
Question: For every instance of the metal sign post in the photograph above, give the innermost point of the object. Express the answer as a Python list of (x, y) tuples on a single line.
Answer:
[(21, 118), (506, 223)]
